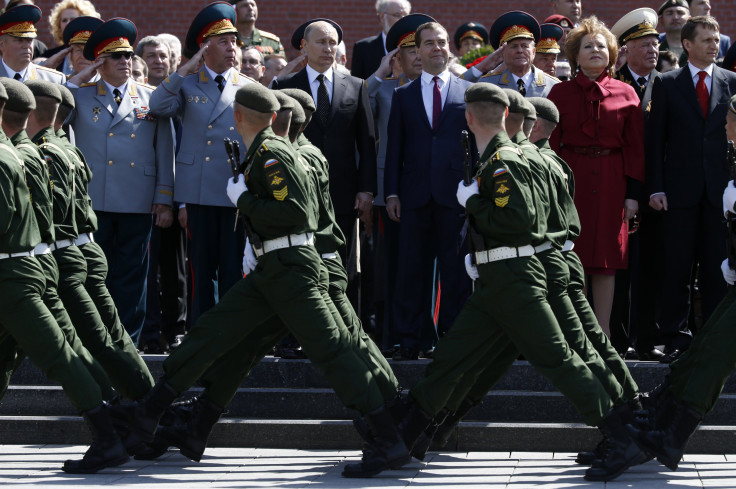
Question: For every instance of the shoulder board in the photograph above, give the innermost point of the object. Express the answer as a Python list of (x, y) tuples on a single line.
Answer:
[(49, 69), (146, 85), (493, 73), (262, 149), (89, 84), (248, 78), (270, 36), (391, 78), (553, 78)]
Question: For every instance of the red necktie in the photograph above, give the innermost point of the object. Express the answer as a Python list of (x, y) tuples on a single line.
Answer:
[(702, 92), (436, 103)]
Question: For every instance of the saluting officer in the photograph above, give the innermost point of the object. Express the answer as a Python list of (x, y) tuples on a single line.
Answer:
[(203, 98), (17, 32)]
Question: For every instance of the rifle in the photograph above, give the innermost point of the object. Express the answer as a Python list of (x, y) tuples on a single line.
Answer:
[(475, 240), (730, 216), (232, 148)]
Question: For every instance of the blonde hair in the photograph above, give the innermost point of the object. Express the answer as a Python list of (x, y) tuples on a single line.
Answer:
[(84, 7), (590, 26)]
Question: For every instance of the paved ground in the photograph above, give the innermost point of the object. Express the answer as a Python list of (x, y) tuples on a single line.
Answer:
[(37, 466)]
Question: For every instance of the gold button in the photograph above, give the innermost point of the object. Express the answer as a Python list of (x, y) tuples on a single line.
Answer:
[(111, 134), (132, 136), (132, 164), (109, 162), (209, 143), (232, 128), (207, 158), (209, 127)]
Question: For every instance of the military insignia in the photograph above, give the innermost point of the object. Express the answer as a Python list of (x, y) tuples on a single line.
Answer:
[(270, 163), (190, 99), (96, 110), (499, 171), (505, 79), (540, 79), (262, 149), (204, 100), (501, 192), (95, 119), (649, 106), (277, 183), (196, 99), (276, 180), (144, 114)]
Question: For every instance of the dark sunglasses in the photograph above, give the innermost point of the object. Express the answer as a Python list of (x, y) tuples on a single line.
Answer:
[(124, 54)]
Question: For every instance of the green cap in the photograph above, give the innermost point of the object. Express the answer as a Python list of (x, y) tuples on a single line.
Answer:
[(532, 115), (43, 88), (486, 92), (285, 101), (20, 98), (545, 108), (298, 116), (672, 3), (517, 105), (304, 98), (67, 99), (256, 97)]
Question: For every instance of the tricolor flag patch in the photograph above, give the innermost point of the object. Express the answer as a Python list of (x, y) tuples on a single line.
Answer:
[(269, 163), (499, 171)]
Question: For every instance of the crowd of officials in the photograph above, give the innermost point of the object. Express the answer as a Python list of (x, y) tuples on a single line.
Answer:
[(553, 190)]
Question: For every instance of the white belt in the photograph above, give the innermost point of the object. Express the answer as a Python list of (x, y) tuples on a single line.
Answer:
[(83, 239), (62, 243), (306, 239), (502, 253), (569, 245), (329, 256), (547, 245), (3, 256), (42, 249)]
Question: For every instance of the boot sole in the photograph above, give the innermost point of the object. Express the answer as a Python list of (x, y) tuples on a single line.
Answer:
[(94, 470), (188, 453), (392, 465), (609, 477)]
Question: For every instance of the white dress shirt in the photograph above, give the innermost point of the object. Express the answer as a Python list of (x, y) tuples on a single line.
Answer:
[(528, 79), (694, 73), (213, 75), (428, 91), (312, 75), (11, 72), (122, 87)]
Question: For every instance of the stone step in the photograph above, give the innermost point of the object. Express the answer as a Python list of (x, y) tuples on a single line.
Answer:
[(301, 374), (340, 434)]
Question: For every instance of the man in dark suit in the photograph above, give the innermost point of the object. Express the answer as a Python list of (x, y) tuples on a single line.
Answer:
[(687, 173), (424, 159), (368, 52), (637, 289)]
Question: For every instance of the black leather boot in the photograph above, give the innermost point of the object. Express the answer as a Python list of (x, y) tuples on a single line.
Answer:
[(449, 425), (668, 443), (106, 450), (419, 450), (599, 452), (190, 437), (396, 406), (620, 450), (177, 413), (387, 450), (141, 417)]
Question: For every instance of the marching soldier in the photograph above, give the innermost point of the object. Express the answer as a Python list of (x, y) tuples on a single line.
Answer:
[(17, 32)]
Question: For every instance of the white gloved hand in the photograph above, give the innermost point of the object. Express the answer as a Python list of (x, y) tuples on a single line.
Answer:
[(249, 258), (729, 198), (464, 193), (729, 275), (236, 189), (470, 268)]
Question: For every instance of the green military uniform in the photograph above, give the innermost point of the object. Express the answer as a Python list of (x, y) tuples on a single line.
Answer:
[(285, 284), (576, 286), (22, 312), (266, 42), (509, 301), (124, 366)]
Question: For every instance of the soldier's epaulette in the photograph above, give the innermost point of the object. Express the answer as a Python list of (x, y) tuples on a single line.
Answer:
[(49, 69), (554, 78), (273, 37), (247, 77), (262, 149), (146, 85), (88, 84), (391, 78), (492, 73)]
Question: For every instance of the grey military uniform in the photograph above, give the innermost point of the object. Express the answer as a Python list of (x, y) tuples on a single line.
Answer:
[(540, 87), (130, 150), (380, 94), (36, 72)]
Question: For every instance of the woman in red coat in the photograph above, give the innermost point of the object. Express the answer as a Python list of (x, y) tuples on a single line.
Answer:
[(601, 137)]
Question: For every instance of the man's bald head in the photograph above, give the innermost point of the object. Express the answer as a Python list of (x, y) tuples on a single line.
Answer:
[(320, 44)]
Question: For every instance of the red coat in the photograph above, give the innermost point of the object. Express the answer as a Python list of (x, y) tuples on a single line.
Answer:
[(604, 113)]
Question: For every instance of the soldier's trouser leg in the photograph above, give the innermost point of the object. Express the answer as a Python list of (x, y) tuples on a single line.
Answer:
[(125, 368), (96, 290), (510, 300), (285, 283), (698, 376), (24, 316), (382, 371), (10, 359), (593, 330), (56, 308)]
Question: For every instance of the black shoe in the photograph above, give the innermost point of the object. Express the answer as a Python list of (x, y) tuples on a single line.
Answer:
[(428, 353), (406, 354), (387, 451), (421, 446), (668, 444), (396, 406), (191, 437), (670, 355), (653, 355), (449, 425), (106, 450), (630, 354), (177, 413), (174, 344), (598, 453)]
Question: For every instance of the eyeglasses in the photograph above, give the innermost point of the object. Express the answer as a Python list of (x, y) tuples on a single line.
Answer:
[(124, 54)]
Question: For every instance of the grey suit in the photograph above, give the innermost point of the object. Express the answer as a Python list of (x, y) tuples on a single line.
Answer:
[(131, 154), (36, 72), (206, 117), (541, 86)]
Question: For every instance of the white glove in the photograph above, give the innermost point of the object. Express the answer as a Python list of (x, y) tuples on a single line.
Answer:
[(729, 198), (464, 193), (249, 258), (470, 268), (236, 189), (728, 274)]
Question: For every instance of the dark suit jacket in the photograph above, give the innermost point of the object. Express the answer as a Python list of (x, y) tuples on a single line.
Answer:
[(625, 75), (349, 127), (422, 163), (367, 55), (686, 151)]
